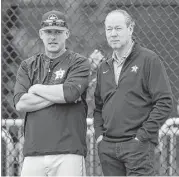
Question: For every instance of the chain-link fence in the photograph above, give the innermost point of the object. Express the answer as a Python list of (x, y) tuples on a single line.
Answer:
[(157, 28)]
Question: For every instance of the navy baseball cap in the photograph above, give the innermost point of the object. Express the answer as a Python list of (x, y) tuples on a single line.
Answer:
[(54, 20)]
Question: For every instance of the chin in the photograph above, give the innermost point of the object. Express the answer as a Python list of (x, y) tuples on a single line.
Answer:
[(116, 46), (53, 50)]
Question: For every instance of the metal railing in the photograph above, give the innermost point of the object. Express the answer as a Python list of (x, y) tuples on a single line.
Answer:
[(17, 148), (170, 128), (9, 155)]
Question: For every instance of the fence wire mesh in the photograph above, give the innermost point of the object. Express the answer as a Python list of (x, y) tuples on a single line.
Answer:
[(157, 28)]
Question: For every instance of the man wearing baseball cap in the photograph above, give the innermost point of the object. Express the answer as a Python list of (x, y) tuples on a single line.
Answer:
[(51, 89)]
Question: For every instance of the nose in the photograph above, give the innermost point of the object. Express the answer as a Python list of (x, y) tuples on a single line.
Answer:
[(113, 32), (52, 36)]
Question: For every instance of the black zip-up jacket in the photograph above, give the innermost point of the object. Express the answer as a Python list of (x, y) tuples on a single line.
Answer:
[(59, 128), (140, 103)]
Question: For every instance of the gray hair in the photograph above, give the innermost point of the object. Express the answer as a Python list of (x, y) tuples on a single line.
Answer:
[(129, 19)]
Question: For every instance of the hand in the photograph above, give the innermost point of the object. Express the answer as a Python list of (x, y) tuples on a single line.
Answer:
[(95, 58), (34, 88), (79, 99), (100, 138)]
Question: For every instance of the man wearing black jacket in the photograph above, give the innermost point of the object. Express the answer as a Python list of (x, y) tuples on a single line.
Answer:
[(51, 89), (133, 99)]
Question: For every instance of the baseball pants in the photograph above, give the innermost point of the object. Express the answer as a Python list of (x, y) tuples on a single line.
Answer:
[(54, 165)]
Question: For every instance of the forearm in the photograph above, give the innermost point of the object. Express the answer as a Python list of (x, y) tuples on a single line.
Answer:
[(53, 93), (31, 102), (98, 123), (161, 95), (157, 117), (98, 120)]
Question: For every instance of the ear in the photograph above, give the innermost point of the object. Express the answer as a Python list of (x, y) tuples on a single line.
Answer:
[(131, 28), (40, 34), (67, 34)]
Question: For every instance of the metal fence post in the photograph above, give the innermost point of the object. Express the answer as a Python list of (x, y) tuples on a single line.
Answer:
[(90, 133), (168, 129), (9, 152)]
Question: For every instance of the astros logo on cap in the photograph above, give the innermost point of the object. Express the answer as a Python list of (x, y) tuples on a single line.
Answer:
[(52, 17)]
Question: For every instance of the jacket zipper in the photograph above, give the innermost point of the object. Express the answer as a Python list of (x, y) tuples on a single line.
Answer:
[(49, 74), (124, 67), (112, 69), (122, 71)]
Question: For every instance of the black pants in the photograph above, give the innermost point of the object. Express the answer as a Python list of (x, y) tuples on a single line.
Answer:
[(130, 158)]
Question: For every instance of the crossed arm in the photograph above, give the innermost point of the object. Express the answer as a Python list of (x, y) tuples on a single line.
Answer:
[(28, 98), (30, 102), (36, 97), (51, 93), (40, 96)]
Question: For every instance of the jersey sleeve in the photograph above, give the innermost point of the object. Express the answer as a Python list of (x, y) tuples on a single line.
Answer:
[(77, 80), (22, 82)]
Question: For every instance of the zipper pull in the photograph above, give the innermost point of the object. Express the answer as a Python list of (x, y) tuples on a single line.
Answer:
[(49, 69)]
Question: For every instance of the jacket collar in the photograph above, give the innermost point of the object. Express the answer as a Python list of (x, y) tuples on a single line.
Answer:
[(121, 60), (135, 49), (58, 59)]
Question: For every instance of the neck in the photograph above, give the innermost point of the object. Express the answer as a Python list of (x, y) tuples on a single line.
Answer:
[(123, 50), (55, 55)]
